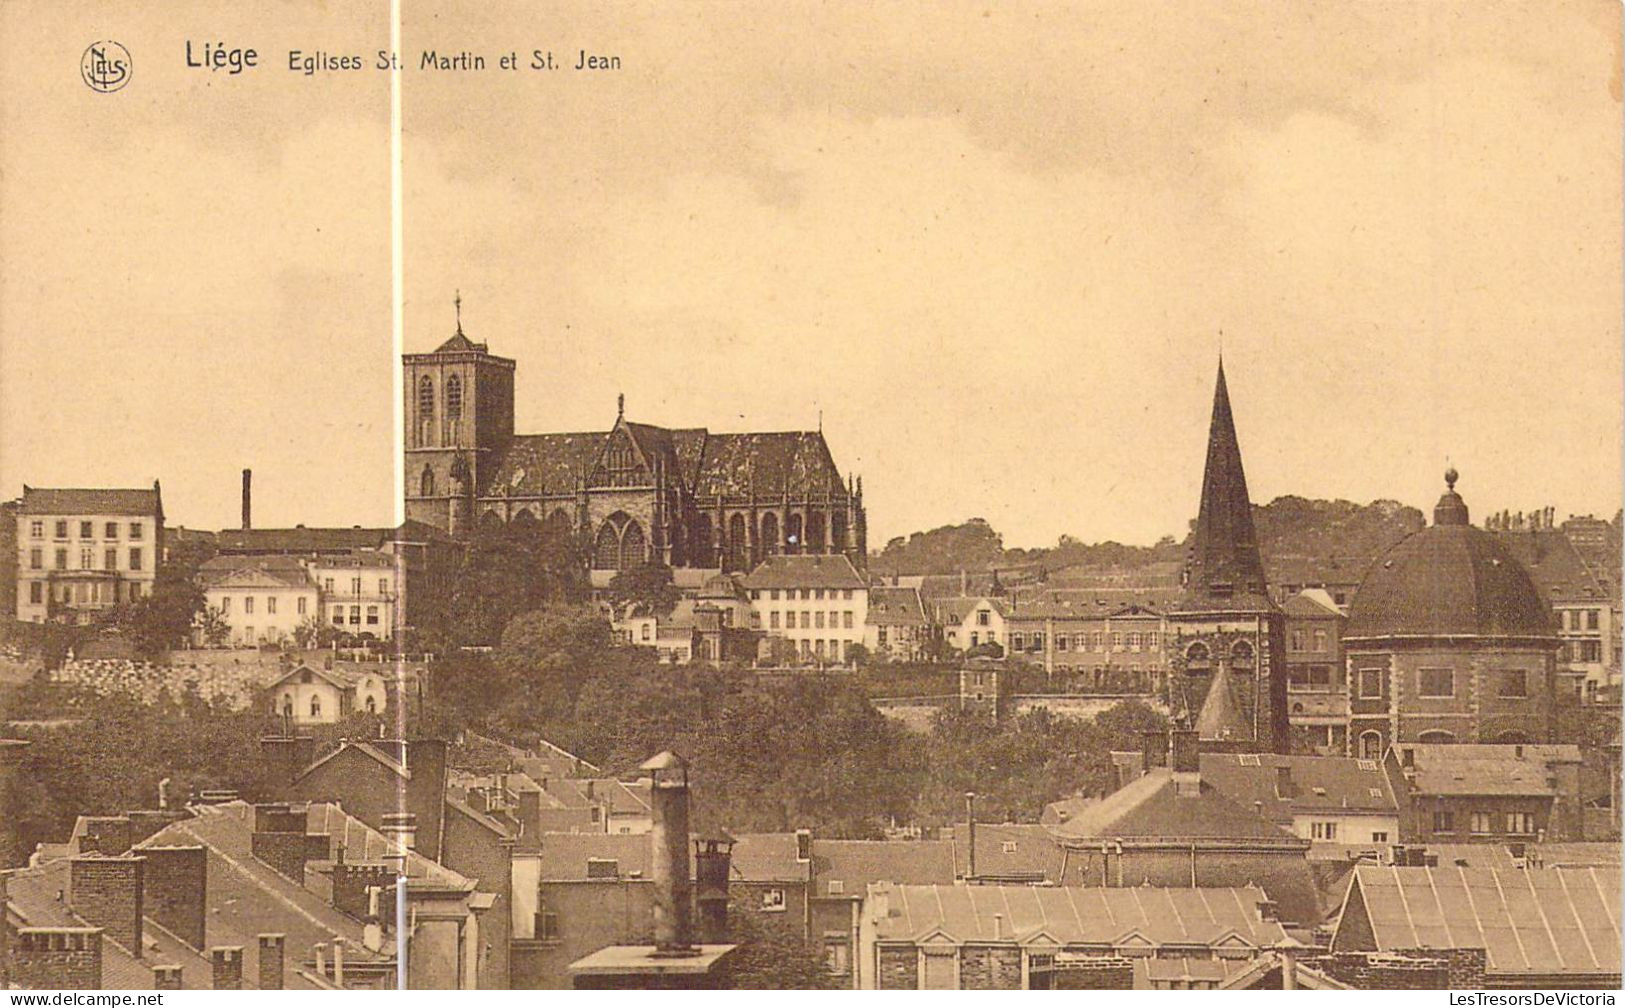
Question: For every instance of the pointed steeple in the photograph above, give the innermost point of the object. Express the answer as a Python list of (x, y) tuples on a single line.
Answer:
[(1223, 569), (1220, 718)]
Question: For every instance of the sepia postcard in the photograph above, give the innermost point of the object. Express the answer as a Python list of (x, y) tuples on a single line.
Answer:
[(567, 495)]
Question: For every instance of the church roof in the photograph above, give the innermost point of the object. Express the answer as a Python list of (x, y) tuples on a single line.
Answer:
[(1449, 579), (460, 344), (709, 465), (1223, 569), (1220, 718)]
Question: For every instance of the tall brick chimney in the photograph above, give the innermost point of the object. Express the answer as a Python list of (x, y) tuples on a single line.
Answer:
[(227, 963), (668, 793), (248, 480), (175, 890), (106, 892)]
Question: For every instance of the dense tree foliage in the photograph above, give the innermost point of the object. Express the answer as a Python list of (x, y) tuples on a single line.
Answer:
[(505, 569), (644, 590)]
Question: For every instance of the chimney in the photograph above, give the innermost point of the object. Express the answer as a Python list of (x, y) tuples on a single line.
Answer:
[(803, 845), (106, 892), (174, 888), (1153, 749), (401, 830), (248, 479), (1000, 932), (338, 961), (668, 793), (166, 976), (227, 961), (1284, 788), (530, 812), (713, 859), (1184, 753), (271, 951)]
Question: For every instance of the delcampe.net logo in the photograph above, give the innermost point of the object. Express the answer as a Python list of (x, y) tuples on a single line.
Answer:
[(105, 66)]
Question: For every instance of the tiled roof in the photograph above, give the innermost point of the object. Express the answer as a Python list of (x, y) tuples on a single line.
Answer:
[(1487, 769), (768, 463), (889, 606), (1318, 783), (622, 798), (1076, 916), (1471, 855), (1555, 565), (1564, 921), (42, 501), (854, 864), (538, 464), (1151, 807), (301, 540), (222, 571), (954, 610), (1007, 850), (803, 571)]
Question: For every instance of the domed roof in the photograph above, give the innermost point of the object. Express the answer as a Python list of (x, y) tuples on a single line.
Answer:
[(1449, 579)]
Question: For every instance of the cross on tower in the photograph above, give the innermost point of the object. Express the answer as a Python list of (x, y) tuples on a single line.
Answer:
[(457, 304)]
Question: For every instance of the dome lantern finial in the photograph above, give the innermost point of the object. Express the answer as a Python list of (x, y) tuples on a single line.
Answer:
[(1450, 476)]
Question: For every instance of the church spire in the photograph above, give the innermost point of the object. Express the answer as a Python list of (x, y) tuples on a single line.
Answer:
[(1223, 566)]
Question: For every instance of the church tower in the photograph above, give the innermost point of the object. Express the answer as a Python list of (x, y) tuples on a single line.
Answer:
[(1225, 631), (459, 417)]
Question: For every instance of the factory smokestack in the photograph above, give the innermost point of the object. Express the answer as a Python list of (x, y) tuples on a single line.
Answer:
[(248, 479)]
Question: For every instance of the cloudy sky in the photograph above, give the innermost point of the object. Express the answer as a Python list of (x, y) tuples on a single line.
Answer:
[(994, 247)]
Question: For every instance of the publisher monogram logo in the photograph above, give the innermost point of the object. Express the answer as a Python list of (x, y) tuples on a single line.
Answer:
[(105, 66)]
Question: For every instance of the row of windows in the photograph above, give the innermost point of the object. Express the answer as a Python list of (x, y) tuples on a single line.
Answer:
[(805, 593), (1297, 640), (1097, 641), (355, 615), (1440, 684), (270, 605), (87, 559), (810, 620), (1582, 651), (1444, 821), (92, 593), (1572, 618), (355, 586), (87, 529)]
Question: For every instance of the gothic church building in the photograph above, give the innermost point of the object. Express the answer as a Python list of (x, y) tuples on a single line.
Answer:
[(636, 493)]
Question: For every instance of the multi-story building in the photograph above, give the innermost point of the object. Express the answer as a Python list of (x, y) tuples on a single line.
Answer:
[(1089, 648), (359, 592), (1448, 640), (264, 600), (81, 551), (896, 626), (818, 602), (635, 494), (1584, 603), (969, 621), (1317, 699), (1490, 793)]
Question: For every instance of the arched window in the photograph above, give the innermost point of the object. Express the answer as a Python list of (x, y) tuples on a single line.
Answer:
[(372, 704), (1197, 654), (606, 548), (315, 706), (737, 543), (634, 548), (1371, 745), (815, 532), (703, 545), (770, 534), (793, 539), (1242, 652), (454, 398), (425, 410), (426, 483)]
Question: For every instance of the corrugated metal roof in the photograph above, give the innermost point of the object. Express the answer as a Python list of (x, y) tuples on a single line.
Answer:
[(1541, 922)]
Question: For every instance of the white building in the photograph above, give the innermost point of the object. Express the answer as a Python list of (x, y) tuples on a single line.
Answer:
[(308, 696), (359, 592), (969, 621), (82, 551), (263, 599), (817, 601)]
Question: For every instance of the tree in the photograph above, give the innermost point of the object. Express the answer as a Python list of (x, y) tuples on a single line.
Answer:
[(644, 590), (212, 625), (506, 569)]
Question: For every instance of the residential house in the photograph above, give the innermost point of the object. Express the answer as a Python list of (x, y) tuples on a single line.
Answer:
[(896, 627), (81, 552), (360, 591), (1584, 603), (1317, 699), (819, 602), (1465, 793), (263, 599), (1090, 648), (305, 695), (1324, 799), (1490, 929), (971, 621)]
